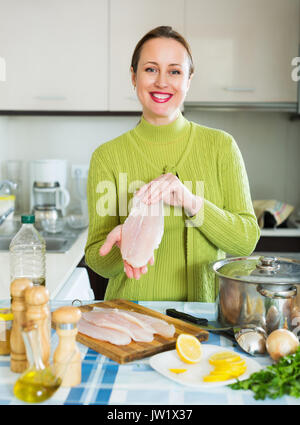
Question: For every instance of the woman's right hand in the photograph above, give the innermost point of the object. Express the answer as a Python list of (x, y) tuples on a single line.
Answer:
[(114, 238)]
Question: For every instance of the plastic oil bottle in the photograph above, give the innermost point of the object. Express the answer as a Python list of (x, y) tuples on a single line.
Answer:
[(28, 253)]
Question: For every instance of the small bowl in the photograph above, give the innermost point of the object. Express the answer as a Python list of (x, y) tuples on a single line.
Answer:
[(77, 221), (53, 225)]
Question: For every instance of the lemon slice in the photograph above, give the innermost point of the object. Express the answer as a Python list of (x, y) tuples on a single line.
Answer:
[(217, 378), (238, 372), (188, 348), (177, 370), (234, 371), (223, 358)]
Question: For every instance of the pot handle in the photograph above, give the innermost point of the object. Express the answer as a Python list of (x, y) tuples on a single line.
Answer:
[(284, 295)]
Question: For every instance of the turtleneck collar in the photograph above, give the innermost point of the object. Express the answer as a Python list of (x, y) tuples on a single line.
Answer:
[(162, 134)]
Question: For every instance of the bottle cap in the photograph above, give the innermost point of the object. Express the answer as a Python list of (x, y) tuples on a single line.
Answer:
[(28, 219)]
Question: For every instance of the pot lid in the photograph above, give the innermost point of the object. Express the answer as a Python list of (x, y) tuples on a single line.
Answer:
[(259, 269)]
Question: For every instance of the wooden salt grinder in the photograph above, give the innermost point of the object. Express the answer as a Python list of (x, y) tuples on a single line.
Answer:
[(37, 311), (18, 358), (67, 358)]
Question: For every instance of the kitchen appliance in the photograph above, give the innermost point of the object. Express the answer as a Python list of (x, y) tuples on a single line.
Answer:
[(49, 196), (259, 290)]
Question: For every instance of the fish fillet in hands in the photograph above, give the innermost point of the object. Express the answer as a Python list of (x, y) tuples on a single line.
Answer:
[(104, 334), (142, 232), (116, 321)]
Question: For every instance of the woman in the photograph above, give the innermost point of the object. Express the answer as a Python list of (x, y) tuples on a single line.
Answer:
[(156, 157)]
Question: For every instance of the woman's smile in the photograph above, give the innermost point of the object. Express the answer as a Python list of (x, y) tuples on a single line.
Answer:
[(160, 97)]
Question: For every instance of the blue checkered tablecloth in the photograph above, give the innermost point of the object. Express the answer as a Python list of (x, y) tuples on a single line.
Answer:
[(105, 382)]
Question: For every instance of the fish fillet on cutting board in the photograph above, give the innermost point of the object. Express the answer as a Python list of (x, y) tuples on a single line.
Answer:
[(142, 232), (113, 320), (105, 334), (137, 350), (154, 325)]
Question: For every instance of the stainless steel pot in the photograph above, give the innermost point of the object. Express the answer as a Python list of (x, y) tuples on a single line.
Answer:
[(259, 290)]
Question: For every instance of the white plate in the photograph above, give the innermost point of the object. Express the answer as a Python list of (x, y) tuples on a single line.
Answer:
[(193, 377)]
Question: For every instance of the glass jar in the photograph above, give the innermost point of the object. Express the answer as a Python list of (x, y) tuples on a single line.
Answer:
[(6, 318)]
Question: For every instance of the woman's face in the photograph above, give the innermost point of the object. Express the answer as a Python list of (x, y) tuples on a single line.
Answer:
[(162, 79)]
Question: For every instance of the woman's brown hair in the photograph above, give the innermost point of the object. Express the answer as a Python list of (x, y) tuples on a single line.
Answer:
[(161, 32)]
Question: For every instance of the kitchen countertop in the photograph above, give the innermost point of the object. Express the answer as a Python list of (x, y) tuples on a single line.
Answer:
[(280, 232), (105, 382), (59, 267)]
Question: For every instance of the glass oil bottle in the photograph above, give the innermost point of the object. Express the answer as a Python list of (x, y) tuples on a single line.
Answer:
[(38, 382)]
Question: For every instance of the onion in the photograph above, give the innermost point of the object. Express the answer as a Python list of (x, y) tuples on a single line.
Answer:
[(281, 342)]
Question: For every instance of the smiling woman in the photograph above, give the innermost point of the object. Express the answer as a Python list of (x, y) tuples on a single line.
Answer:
[(197, 171)]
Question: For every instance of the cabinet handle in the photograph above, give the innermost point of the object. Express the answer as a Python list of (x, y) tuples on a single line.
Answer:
[(240, 89), (49, 97)]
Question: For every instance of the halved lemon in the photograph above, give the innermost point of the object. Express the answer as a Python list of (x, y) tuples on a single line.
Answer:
[(188, 348)]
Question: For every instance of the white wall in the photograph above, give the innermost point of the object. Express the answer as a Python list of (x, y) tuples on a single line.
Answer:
[(269, 141)]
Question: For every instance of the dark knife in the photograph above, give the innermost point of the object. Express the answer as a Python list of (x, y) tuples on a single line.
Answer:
[(187, 317), (211, 326)]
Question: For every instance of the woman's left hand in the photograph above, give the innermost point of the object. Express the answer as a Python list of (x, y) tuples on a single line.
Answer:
[(169, 188)]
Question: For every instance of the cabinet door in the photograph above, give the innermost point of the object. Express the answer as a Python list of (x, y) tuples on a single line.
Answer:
[(243, 49), (56, 54), (129, 22)]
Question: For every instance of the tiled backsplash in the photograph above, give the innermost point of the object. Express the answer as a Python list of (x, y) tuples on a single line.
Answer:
[(269, 141)]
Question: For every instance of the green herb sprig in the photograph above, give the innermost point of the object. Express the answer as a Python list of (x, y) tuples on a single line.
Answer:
[(277, 380)]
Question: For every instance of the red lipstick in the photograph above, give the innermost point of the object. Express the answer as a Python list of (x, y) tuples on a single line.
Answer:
[(160, 97)]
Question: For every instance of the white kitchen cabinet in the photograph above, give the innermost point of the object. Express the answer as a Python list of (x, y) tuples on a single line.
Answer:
[(242, 49), (129, 21), (56, 54)]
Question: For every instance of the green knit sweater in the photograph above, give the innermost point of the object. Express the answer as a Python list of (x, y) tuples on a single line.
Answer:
[(226, 223)]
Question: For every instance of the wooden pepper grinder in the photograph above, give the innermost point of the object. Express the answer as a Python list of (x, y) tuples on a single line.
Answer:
[(37, 311), (66, 358), (18, 359)]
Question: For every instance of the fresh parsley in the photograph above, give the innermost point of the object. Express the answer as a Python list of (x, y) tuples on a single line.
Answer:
[(277, 380)]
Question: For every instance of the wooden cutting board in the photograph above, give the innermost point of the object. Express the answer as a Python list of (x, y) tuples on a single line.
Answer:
[(138, 350)]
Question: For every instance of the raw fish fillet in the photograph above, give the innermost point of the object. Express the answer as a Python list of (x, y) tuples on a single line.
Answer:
[(128, 316), (116, 321), (142, 232), (153, 324), (105, 334), (160, 326)]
